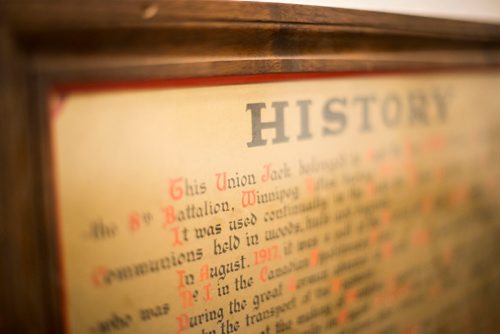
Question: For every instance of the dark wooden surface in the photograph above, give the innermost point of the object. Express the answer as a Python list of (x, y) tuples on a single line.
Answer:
[(47, 14), (45, 43)]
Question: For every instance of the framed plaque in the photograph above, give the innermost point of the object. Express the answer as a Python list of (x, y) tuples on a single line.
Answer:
[(223, 167)]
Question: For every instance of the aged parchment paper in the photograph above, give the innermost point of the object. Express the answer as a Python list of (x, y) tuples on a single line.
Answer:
[(360, 204)]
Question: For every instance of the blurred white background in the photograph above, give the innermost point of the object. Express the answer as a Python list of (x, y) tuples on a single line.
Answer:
[(471, 10)]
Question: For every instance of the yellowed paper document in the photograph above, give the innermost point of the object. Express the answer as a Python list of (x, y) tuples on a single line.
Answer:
[(353, 205)]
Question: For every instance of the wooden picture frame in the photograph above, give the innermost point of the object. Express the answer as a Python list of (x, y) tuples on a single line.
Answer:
[(46, 44)]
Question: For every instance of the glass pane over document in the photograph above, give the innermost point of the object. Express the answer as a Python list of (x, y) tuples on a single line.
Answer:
[(354, 204)]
